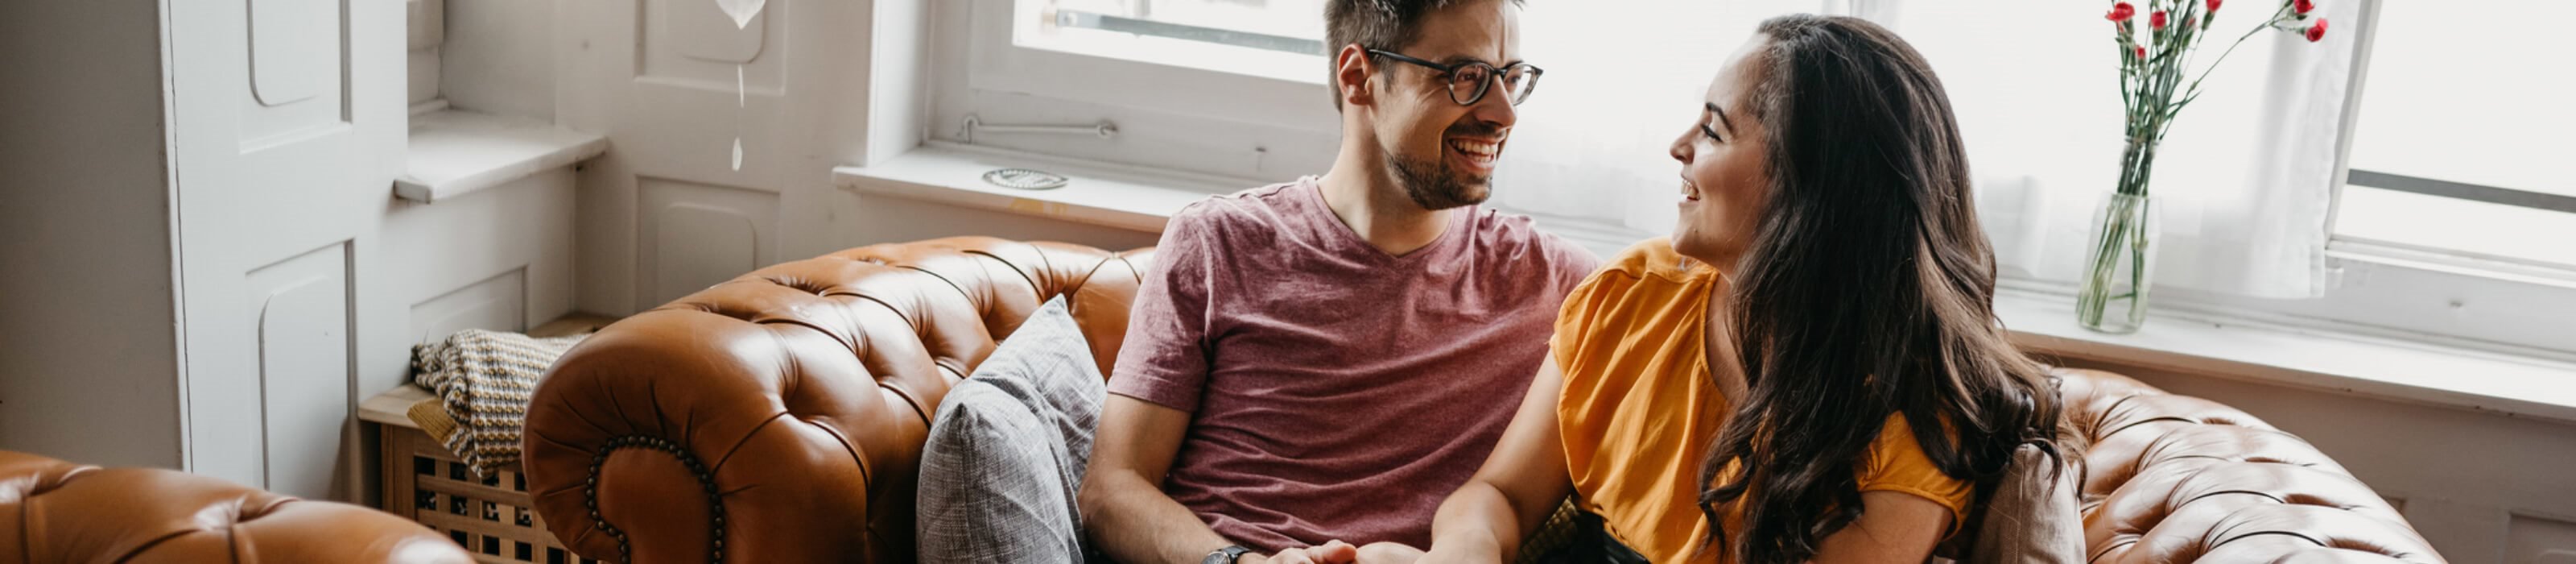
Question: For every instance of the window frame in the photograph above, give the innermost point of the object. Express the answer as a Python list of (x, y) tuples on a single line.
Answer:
[(2397, 289), (1266, 126)]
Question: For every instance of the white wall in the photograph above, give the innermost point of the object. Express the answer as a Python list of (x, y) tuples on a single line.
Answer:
[(499, 57), (2483, 487), (425, 22), (86, 289)]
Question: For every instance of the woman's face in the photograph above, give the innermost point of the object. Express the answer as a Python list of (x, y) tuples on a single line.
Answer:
[(1726, 177)]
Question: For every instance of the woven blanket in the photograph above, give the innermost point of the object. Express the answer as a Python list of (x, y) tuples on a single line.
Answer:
[(483, 380)]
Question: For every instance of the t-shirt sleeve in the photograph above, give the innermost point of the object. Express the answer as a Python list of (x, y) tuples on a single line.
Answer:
[(1165, 356), (1574, 263), (1896, 463), (1575, 321)]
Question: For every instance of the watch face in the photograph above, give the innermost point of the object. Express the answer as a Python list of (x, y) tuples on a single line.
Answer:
[(1226, 555)]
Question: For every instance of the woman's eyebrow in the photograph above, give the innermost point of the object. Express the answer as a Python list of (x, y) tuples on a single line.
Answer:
[(1721, 117)]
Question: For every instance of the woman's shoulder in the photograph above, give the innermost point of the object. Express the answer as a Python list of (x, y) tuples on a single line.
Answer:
[(1637, 279), (1651, 257)]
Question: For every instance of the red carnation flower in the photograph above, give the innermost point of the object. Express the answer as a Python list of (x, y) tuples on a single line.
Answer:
[(2156, 20), (2121, 12), (2303, 6), (2317, 31), (2139, 50), (2213, 5)]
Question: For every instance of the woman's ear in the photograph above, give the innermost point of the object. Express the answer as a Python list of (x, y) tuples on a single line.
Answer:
[(1351, 71)]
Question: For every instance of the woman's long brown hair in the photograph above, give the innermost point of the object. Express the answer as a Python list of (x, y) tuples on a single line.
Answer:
[(1868, 291)]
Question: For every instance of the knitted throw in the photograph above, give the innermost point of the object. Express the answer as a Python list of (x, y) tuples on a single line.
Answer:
[(483, 380)]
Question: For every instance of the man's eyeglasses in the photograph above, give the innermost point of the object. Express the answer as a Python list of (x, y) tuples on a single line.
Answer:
[(1469, 80)]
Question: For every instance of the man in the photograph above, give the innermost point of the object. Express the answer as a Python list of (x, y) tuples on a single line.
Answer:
[(1316, 364)]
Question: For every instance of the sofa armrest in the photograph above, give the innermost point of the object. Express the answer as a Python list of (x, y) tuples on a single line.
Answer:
[(56, 511), (695, 436)]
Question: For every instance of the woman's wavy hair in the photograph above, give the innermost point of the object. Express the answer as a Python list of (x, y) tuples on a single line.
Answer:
[(1868, 291)]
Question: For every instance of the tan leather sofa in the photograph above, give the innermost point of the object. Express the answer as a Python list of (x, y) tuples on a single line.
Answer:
[(779, 417), (54, 511)]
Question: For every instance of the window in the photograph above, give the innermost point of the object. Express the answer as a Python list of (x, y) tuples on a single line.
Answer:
[(2453, 223), (2461, 146), (1281, 39), (1233, 87), (1202, 86)]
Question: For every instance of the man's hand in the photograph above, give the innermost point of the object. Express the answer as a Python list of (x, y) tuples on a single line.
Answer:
[(1335, 552)]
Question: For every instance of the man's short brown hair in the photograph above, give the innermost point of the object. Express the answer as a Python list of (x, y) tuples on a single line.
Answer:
[(1375, 24)]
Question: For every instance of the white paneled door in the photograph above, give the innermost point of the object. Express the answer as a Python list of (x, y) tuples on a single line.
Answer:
[(288, 124)]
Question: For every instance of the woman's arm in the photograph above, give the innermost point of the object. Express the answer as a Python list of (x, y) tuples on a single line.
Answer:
[(1893, 527), (1517, 487)]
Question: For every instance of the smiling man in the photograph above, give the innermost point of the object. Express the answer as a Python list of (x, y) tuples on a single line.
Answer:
[(1315, 364)]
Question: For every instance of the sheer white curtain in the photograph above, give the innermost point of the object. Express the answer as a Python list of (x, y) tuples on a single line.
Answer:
[(2244, 180), (1623, 80)]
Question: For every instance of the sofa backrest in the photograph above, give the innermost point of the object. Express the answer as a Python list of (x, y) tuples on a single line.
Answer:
[(2170, 478), (779, 417)]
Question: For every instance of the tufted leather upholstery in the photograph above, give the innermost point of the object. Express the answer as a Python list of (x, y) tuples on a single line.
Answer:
[(55, 511), (799, 396), (2182, 479)]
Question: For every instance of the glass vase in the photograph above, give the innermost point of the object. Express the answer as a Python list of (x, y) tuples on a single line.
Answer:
[(2119, 265)]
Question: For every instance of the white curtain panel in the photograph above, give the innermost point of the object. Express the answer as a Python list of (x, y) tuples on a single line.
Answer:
[(1623, 80), (2244, 180)]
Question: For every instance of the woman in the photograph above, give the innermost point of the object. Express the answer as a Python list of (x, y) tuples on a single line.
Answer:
[(1822, 315)]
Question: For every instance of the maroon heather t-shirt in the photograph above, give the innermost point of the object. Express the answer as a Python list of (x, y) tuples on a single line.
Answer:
[(1336, 392)]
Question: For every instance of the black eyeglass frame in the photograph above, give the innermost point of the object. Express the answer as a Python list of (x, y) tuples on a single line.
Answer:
[(1494, 75)]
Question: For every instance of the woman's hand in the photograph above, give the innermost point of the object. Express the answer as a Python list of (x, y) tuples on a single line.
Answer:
[(1452, 555), (1335, 552), (1388, 553), (1520, 483)]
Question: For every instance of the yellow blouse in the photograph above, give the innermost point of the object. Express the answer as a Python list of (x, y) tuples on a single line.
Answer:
[(1638, 408)]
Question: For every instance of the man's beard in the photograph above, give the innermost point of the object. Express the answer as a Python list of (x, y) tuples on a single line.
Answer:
[(1432, 185)]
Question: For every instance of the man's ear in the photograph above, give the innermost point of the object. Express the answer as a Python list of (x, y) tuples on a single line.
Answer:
[(1351, 72)]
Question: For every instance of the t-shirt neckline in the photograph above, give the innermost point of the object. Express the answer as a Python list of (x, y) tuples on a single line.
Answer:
[(1313, 187)]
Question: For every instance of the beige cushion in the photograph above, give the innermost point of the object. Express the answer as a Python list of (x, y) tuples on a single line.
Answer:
[(2032, 517)]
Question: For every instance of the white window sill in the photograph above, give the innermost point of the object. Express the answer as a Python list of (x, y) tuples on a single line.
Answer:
[(1106, 195), (457, 152), (2042, 322), (2304, 357)]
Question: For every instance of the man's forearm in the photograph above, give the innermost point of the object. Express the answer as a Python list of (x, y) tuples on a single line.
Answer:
[(1134, 522)]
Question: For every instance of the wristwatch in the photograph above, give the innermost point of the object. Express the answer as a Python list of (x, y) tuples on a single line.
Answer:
[(1225, 555)]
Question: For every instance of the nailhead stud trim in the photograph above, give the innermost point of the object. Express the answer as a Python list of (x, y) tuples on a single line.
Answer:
[(715, 501)]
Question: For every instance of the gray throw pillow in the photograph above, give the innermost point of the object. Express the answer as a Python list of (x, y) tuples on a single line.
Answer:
[(1008, 447)]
